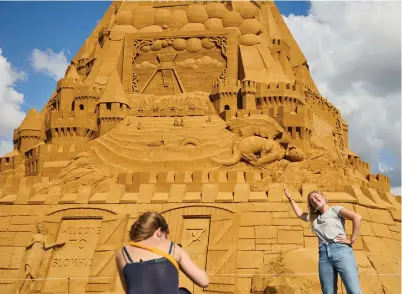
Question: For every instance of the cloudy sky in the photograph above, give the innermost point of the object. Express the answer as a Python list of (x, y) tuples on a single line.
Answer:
[(353, 49)]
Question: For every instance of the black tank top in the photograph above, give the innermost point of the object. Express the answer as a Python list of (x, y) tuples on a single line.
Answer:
[(155, 276)]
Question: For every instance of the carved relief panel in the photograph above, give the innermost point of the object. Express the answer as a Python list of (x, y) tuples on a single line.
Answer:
[(75, 258), (209, 235), (194, 239), (170, 63)]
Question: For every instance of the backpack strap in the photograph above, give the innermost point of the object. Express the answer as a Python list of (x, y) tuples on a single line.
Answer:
[(157, 251)]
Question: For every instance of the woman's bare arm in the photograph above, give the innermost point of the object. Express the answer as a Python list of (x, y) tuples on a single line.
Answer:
[(296, 208), (195, 274), (120, 262), (355, 218)]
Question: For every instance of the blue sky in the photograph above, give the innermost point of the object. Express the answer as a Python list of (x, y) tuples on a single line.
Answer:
[(62, 27)]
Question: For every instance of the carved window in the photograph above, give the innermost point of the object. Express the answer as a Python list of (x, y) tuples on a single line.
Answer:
[(227, 107), (109, 106), (81, 106)]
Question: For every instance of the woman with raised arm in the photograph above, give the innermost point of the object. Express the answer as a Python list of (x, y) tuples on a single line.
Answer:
[(335, 249), (150, 263)]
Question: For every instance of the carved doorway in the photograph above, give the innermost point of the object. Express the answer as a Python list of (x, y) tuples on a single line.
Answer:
[(209, 235)]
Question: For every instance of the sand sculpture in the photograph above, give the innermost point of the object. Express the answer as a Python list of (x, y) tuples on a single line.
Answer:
[(200, 111)]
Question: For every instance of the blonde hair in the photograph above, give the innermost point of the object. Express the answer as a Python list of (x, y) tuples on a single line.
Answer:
[(146, 225), (313, 212)]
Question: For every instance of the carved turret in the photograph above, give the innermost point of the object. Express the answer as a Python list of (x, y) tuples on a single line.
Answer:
[(297, 123), (65, 89), (29, 133), (113, 105), (248, 90), (224, 98), (85, 99)]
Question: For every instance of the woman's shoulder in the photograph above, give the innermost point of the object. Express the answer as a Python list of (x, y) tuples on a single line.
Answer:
[(337, 208)]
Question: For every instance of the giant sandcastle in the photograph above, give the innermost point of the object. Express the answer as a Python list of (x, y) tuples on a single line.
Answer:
[(200, 111)]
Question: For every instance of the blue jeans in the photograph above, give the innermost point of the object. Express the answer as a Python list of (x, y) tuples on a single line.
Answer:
[(338, 258)]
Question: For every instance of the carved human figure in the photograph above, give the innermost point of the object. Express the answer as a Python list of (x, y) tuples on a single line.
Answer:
[(139, 126), (176, 122), (38, 246), (182, 123)]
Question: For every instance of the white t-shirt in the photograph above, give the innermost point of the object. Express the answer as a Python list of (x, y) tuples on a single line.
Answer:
[(329, 225)]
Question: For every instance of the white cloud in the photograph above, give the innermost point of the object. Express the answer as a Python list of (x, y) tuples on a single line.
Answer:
[(382, 167), (5, 147), (354, 52), (49, 63), (11, 100), (397, 191)]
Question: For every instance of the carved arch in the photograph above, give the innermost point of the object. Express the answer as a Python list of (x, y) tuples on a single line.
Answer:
[(90, 212)]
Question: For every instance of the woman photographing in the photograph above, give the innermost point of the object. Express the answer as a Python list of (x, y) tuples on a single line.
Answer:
[(151, 263), (335, 249)]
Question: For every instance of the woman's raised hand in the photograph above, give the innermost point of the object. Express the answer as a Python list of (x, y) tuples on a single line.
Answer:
[(287, 193)]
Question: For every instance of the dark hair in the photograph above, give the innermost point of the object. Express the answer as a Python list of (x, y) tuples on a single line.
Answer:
[(146, 225)]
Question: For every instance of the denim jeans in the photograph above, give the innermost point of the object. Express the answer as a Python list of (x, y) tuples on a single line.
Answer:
[(338, 258)]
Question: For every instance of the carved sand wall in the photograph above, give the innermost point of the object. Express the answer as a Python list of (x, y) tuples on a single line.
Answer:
[(200, 111)]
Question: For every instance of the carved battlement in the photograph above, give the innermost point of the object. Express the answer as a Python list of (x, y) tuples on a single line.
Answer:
[(24, 139), (86, 92), (224, 96), (359, 164), (49, 159), (71, 124), (281, 89), (110, 109), (67, 84), (248, 87), (26, 134), (67, 118), (10, 161), (379, 182), (220, 86)]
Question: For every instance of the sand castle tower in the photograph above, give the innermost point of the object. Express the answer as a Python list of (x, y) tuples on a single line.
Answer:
[(150, 115), (29, 133), (113, 105)]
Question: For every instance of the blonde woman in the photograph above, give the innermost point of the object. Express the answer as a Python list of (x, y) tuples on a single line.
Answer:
[(151, 263), (335, 248)]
